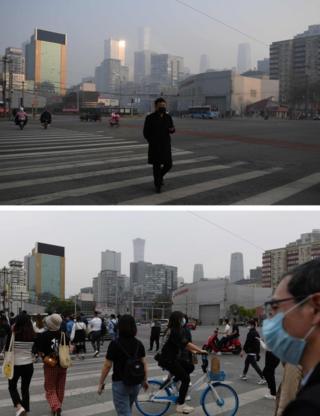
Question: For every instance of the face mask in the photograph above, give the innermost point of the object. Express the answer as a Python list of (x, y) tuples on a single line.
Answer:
[(286, 347), (162, 110), (183, 322)]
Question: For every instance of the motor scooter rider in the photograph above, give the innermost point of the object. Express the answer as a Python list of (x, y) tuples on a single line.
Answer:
[(46, 117), (21, 116)]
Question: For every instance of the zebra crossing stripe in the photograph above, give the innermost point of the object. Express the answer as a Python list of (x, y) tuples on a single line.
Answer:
[(60, 166), (106, 407), (88, 139), (282, 192), (198, 188), (10, 151), (84, 191), (85, 175), (74, 151)]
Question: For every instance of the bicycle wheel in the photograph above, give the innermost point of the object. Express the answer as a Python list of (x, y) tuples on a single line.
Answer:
[(228, 402), (144, 402)]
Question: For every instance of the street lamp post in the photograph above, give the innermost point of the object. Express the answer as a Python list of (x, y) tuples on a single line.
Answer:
[(4, 272)]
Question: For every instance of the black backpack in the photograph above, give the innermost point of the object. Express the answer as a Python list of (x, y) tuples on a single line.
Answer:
[(133, 371)]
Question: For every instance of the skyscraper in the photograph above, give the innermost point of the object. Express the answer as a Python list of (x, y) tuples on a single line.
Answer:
[(45, 268), (204, 63), (138, 249), (144, 36), (115, 49), (167, 69), (142, 66), (236, 267), (111, 260), (198, 273), (46, 59), (244, 57)]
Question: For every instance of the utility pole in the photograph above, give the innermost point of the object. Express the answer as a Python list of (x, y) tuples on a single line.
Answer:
[(75, 306), (10, 88), (22, 95), (4, 84)]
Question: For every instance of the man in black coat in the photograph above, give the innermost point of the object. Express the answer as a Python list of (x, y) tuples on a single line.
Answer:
[(157, 129)]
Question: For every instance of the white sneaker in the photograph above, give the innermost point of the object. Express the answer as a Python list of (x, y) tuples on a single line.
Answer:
[(243, 377), (183, 408), (262, 381), (188, 399), (21, 412), (219, 353), (269, 396)]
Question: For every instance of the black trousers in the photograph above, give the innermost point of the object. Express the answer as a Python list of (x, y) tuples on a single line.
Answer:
[(95, 340), (159, 171), (154, 338), (251, 360), (24, 372), (180, 373), (271, 364)]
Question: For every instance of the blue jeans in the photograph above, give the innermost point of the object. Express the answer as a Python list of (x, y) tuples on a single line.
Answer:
[(124, 397)]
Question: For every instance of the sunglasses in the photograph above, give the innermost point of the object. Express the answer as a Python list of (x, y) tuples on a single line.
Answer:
[(273, 304)]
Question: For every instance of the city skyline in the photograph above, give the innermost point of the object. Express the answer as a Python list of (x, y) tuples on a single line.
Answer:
[(85, 235), (175, 39)]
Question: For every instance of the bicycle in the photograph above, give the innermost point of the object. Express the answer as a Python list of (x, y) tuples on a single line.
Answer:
[(217, 398)]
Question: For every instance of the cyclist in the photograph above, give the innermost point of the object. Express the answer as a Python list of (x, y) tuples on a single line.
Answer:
[(170, 357)]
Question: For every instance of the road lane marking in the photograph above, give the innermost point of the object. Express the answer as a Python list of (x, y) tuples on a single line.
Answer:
[(71, 165), (282, 192), (85, 175), (88, 190), (198, 188)]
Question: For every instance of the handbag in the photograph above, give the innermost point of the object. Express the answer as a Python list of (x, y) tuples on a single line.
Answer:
[(50, 360), (64, 352), (8, 362)]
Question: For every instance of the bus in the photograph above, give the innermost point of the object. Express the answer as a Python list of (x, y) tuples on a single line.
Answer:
[(203, 112)]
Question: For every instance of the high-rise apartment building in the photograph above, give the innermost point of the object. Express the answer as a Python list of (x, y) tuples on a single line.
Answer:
[(296, 64), (236, 267), (198, 273), (115, 49), (244, 57), (138, 249), (45, 268), (313, 30), (46, 60), (277, 262), (15, 68)]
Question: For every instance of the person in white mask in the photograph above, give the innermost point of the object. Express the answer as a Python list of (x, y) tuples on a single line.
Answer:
[(292, 332)]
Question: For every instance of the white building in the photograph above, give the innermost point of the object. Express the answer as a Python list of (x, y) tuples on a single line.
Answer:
[(210, 300), (138, 249), (226, 90), (198, 273), (236, 267), (244, 57), (144, 38), (111, 260), (115, 49)]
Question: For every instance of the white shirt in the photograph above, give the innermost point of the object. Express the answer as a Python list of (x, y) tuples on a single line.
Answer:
[(22, 353), (227, 330), (95, 324), (76, 327)]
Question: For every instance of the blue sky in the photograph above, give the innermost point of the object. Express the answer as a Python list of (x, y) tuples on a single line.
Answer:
[(175, 29)]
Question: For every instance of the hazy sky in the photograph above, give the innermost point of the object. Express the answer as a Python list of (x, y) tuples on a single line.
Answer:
[(175, 29), (175, 238)]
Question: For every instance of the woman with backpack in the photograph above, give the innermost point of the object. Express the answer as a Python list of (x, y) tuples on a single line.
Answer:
[(126, 356), (252, 349), (172, 359), (55, 376), (24, 338), (78, 337)]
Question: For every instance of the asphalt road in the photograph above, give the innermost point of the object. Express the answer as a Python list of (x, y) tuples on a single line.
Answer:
[(216, 162), (81, 398)]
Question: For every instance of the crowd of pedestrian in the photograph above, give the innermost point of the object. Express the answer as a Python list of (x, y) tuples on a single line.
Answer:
[(290, 336)]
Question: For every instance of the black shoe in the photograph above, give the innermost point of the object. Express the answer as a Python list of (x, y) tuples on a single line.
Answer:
[(158, 189), (58, 413)]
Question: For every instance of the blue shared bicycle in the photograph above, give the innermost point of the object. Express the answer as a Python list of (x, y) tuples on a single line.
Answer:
[(217, 398)]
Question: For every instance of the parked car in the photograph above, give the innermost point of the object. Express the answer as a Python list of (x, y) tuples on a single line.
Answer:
[(90, 116), (316, 117)]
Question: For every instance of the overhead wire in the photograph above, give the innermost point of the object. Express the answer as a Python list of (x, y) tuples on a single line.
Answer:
[(238, 236), (221, 22)]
